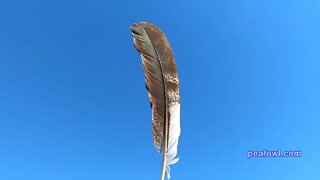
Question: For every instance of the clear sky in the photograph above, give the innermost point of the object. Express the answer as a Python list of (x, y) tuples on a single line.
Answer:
[(73, 104)]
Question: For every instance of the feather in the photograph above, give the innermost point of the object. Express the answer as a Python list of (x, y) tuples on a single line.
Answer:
[(162, 83)]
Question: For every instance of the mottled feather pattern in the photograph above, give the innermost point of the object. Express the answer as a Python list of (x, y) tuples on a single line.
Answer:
[(163, 86)]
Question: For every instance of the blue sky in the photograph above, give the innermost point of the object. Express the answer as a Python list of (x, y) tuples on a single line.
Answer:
[(73, 104)]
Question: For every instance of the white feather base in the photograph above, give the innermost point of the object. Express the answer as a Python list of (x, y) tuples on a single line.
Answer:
[(174, 133)]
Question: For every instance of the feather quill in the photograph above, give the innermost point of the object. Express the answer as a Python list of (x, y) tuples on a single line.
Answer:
[(162, 83)]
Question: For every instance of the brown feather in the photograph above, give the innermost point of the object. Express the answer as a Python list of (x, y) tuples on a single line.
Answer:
[(162, 83), (160, 75)]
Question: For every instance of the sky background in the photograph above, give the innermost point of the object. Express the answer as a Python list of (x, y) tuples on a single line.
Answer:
[(73, 104)]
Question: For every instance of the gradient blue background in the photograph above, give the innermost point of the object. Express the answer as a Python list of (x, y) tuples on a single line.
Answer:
[(73, 104)]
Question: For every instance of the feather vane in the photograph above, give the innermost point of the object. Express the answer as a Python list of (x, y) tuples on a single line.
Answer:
[(162, 83)]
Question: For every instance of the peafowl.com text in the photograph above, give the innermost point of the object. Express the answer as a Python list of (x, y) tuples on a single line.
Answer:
[(278, 153)]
